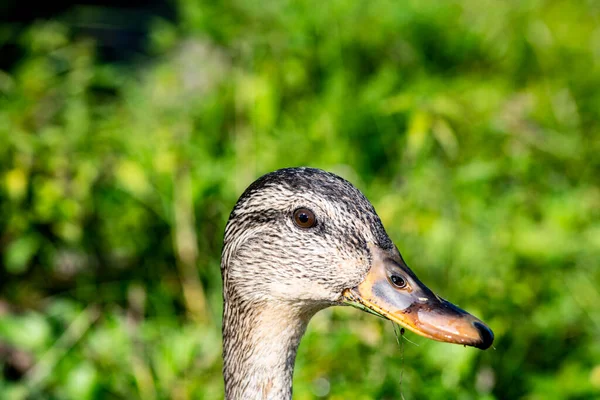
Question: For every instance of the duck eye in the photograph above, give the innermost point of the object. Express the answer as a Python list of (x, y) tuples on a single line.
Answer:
[(398, 281), (304, 218)]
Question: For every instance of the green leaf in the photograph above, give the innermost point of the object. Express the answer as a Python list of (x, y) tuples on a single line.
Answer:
[(20, 252)]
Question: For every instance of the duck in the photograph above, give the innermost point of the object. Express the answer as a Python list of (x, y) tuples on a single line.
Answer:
[(297, 241)]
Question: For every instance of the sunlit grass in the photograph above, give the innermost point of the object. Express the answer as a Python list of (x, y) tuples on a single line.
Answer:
[(471, 126)]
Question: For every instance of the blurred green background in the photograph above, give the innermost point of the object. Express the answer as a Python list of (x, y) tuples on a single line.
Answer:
[(127, 134)]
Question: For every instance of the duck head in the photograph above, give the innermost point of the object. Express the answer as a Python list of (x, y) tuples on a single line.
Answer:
[(305, 239)]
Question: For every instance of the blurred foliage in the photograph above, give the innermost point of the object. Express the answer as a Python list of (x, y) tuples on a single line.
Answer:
[(473, 126)]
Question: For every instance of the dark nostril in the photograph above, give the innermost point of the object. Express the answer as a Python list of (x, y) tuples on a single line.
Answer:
[(486, 335)]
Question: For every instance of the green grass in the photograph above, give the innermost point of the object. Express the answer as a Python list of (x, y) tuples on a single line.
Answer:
[(472, 126)]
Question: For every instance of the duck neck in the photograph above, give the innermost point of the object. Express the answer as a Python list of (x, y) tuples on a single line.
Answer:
[(259, 349)]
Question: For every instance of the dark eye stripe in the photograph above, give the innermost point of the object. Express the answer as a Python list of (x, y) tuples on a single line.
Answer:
[(304, 218)]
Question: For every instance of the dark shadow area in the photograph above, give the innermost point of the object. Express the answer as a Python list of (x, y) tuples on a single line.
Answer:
[(119, 29)]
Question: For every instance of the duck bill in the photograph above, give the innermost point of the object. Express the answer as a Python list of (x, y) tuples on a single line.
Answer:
[(392, 291)]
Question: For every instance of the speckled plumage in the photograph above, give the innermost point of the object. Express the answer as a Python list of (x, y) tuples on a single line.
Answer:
[(276, 275)]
